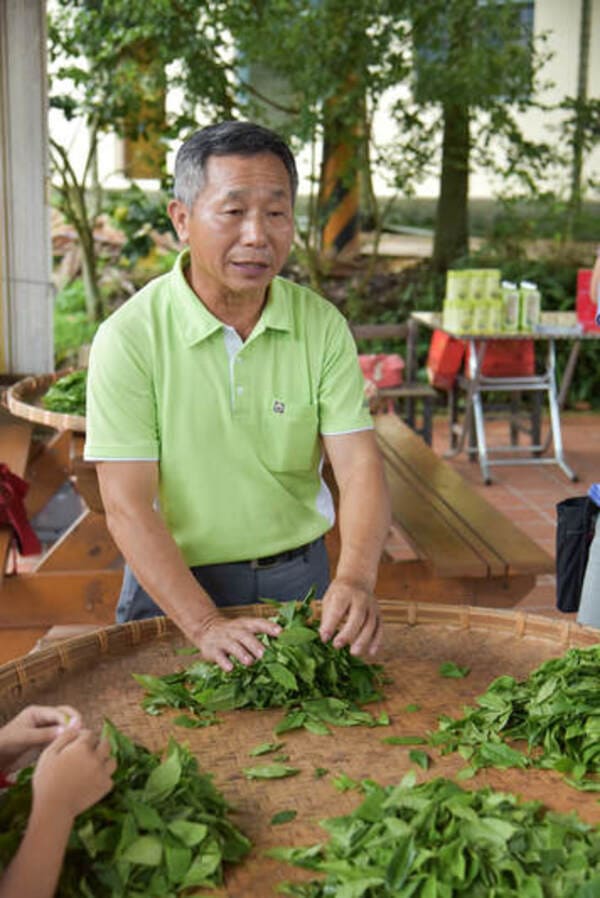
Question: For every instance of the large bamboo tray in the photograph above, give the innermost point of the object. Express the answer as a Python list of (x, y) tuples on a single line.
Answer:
[(93, 673), (23, 399)]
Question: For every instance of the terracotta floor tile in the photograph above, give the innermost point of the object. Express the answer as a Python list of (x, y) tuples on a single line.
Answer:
[(528, 495)]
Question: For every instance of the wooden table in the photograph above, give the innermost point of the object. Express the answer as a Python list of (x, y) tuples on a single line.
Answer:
[(554, 326)]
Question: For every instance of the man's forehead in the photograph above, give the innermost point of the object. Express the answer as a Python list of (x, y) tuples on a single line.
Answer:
[(232, 173), (240, 192)]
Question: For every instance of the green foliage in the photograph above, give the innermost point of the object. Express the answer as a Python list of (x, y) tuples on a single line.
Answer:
[(67, 394), (163, 828), (138, 213), (437, 840), (317, 684), (72, 328)]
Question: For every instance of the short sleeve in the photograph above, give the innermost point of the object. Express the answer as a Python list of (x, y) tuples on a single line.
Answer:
[(121, 418), (343, 406)]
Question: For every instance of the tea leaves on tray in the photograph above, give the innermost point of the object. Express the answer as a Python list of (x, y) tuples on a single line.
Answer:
[(270, 772), (318, 685), (67, 394), (162, 829), (437, 840), (556, 711)]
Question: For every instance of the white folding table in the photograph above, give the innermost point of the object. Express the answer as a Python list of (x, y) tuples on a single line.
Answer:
[(553, 326)]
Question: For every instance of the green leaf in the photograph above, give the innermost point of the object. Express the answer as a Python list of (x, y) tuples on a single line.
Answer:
[(283, 817), (421, 758), (188, 832), (270, 771), (264, 748), (282, 675), (163, 779), (450, 669), (147, 850), (404, 740)]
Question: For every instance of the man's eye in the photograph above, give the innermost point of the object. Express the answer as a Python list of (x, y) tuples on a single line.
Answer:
[(274, 213), (233, 211)]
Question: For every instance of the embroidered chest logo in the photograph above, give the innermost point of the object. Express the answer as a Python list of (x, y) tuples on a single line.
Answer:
[(278, 407)]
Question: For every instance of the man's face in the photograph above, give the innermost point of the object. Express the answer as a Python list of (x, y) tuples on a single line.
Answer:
[(240, 228)]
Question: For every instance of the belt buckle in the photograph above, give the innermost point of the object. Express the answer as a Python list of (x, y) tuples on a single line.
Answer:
[(258, 564)]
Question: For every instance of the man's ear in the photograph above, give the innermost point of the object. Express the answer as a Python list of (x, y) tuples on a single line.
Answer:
[(179, 215)]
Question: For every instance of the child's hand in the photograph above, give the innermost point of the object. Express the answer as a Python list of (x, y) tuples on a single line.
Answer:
[(34, 727), (73, 772)]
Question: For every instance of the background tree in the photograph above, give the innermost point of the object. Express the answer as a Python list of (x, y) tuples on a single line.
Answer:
[(328, 73), (583, 122), (97, 76), (476, 66)]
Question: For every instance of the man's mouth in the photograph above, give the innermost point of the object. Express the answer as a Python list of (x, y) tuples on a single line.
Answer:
[(251, 266)]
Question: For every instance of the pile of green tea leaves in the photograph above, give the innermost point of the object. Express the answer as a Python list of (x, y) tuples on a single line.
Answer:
[(67, 394), (437, 840), (556, 711), (316, 684), (161, 830)]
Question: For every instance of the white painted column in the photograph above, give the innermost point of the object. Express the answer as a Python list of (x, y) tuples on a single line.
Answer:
[(26, 337)]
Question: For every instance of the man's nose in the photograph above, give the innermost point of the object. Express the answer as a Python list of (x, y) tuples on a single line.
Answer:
[(254, 230)]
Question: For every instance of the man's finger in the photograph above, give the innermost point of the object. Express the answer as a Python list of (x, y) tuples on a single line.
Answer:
[(355, 622), (366, 636), (376, 643)]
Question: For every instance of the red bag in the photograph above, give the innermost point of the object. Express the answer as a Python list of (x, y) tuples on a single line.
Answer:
[(12, 511), (444, 360), (507, 358), (382, 370), (584, 303)]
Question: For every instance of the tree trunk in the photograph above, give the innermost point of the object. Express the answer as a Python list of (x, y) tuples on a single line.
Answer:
[(452, 217), (579, 132), (93, 298)]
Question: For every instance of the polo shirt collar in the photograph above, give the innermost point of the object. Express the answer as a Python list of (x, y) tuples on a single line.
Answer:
[(196, 322)]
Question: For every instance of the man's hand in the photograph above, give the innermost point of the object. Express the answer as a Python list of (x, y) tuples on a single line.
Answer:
[(33, 728), (223, 638), (351, 617)]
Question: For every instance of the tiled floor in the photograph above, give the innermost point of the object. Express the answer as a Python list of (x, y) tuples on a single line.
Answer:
[(528, 494)]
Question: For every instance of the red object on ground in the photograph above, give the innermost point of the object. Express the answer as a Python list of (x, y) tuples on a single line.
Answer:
[(12, 511), (382, 370), (444, 360), (507, 358), (585, 307)]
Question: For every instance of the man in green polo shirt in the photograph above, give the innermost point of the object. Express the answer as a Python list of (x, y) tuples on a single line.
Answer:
[(212, 397)]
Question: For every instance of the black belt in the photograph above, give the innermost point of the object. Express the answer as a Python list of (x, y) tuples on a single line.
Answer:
[(270, 560)]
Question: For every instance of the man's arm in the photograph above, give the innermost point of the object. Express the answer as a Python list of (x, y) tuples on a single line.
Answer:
[(350, 613), (128, 491)]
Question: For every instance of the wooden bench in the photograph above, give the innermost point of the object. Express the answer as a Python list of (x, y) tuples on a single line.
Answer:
[(412, 400), (467, 551)]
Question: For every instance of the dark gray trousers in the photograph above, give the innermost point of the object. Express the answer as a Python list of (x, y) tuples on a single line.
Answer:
[(239, 583)]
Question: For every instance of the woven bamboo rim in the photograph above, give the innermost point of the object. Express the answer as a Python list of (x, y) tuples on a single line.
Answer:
[(23, 399), (22, 678)]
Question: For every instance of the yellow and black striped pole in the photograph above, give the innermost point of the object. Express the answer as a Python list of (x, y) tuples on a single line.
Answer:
[(339, 195), (340, 203)]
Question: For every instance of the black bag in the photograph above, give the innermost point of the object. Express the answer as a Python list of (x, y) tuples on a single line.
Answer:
[(576, 518)]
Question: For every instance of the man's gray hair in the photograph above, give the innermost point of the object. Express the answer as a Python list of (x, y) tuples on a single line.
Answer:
[(226, 139)]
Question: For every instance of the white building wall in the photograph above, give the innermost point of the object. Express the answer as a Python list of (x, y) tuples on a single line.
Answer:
[(560, 19)]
